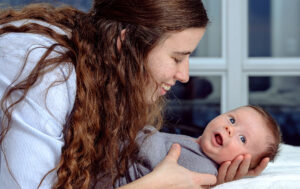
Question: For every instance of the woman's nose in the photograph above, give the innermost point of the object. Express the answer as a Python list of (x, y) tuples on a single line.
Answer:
[(182, 73), (229, 130)]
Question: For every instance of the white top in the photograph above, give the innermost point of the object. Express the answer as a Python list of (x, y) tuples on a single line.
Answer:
[(33, 144)]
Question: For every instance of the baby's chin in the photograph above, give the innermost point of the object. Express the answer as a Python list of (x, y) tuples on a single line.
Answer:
[(218, 160)]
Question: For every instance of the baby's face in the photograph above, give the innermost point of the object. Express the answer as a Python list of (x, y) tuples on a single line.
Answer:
[(240, 131)]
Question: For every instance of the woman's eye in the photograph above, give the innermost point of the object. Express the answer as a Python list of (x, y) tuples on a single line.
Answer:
[(243, 139), (232, 120), (177, 60)]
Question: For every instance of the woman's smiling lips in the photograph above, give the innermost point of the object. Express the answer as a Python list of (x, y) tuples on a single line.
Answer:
[(165, 88)]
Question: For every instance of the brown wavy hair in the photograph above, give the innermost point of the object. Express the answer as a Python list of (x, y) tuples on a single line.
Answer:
[(110, 106)]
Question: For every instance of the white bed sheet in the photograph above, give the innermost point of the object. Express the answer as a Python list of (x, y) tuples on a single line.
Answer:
[(284, 173)]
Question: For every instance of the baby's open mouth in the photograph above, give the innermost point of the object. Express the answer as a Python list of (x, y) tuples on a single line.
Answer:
[(219, 139)]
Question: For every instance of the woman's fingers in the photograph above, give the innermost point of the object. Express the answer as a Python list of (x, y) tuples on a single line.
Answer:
[(204, 179), (222, 172), (199, 178), (243, 167), (229, 171), (174, 153), (258, 169), (238, 168), (172, 175), (232, 169)]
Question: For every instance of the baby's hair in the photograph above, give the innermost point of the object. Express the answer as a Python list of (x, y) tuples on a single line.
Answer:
[(275, 137)]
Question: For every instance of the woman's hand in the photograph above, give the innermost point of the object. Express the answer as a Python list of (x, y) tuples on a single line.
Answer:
[(238, 168), (178, 176), (169, 175)]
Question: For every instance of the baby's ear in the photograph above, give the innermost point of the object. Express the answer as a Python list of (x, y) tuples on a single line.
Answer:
[(198, 140)]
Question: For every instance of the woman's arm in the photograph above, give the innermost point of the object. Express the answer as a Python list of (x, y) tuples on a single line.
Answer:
[(238, 168), (33, 143), (168, 174)]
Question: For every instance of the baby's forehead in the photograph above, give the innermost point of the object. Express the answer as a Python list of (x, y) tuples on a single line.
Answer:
[(250, 114), (242, 111), (244, 108)]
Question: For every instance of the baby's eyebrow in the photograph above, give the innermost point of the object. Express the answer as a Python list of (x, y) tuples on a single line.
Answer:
[(230, 114)]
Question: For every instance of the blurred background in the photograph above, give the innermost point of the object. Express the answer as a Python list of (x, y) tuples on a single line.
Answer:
[(250, 54)]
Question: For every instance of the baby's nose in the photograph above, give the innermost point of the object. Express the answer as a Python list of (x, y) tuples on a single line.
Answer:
[(229, 130)]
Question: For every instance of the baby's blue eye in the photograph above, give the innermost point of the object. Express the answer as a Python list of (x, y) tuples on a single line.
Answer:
[(232, 120), (243, 139)]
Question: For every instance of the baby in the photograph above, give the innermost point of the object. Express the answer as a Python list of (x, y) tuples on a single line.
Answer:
[(247, 129)]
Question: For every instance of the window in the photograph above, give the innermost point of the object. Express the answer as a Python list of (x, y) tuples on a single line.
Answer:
[(272, 68), (274, 28), (211, 43), (259, 59), (279, 95)]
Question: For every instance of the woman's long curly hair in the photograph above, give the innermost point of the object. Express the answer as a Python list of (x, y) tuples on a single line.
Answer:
[(110, 106)]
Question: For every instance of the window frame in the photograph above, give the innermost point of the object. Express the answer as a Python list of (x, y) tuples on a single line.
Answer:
[(234, 66)]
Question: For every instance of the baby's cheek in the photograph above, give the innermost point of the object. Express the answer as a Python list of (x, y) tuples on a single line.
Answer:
[(224, 157), (206, 148), (233, 153), (211, 152)]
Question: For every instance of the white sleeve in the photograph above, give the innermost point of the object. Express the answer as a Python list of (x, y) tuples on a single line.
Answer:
[(33, 144)]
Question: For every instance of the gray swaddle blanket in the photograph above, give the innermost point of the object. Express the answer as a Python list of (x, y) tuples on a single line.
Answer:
[(154, 148)]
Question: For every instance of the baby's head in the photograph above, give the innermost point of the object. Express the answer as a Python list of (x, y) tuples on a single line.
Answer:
[(247, 129)]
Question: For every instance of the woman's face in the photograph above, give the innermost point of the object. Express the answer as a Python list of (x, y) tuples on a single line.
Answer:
[(168, 62)]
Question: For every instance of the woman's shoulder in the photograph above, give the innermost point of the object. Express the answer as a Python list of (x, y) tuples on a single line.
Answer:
[(54, 99), (22, 51), (19, 23), (24, 42)]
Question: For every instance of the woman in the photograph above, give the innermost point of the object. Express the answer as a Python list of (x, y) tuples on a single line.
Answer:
[(77, 87)]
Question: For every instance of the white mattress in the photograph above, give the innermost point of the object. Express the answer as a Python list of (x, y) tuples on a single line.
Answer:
[(284, 173)]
